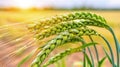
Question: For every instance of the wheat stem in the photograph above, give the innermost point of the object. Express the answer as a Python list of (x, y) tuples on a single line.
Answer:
[(111, 52), (95, 48), (117, 45)]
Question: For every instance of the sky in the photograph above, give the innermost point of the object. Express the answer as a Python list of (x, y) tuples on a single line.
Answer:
[(60, 3)]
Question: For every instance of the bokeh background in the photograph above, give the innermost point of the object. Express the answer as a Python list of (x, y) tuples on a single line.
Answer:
[(66, 4), (15, 15)]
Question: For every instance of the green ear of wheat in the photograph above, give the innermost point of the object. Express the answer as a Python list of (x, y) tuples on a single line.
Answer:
[(66, 26), (51, 45), (66, 53), (67, 17)]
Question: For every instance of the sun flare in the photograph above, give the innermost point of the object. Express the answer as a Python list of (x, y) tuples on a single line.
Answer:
[(24, 4)]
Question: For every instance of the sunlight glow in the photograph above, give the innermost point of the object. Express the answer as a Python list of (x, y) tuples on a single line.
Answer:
[(114, 3), (24, 4)]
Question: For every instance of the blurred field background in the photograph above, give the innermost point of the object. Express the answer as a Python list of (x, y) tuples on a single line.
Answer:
[(13, 25)]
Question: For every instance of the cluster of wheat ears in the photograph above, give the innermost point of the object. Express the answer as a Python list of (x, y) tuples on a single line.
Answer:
[(70, 28)]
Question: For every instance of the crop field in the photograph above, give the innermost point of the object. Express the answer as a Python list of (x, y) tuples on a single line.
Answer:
[(13, 26)]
